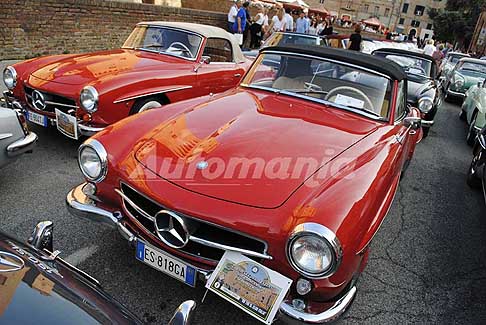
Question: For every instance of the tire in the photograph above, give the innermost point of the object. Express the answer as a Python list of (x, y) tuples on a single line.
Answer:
[(462, 115), (144, 104), (471, 135), (472, 173)]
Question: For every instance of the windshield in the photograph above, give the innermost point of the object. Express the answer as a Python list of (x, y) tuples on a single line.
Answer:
[(164, 40), (411, 65), (279, 39), (473, 69), (333, 83)]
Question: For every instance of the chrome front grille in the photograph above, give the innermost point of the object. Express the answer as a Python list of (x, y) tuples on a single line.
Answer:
[(52, 101), (206, 240)]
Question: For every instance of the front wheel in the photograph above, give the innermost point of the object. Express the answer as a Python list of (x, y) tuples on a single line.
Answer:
[(145, 104), (472, 173)]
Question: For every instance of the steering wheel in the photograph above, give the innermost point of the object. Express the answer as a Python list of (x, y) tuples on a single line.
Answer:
[(184, 47), (336, 90)]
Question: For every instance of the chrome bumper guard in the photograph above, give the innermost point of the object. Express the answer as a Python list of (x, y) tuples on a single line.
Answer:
[(83, 207), (23, 145)]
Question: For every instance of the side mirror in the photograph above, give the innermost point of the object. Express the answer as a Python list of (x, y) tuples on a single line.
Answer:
[(42, 236), (206, 59), (184, 313), (413, 122)]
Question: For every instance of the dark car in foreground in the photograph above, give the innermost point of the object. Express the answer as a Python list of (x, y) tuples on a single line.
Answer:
[(424, 89), (38, 287)]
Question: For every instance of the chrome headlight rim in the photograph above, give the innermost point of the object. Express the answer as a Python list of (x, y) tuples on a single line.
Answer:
[(14, 77), (323, 233), (95, 97), (102, 155), (422, 101)]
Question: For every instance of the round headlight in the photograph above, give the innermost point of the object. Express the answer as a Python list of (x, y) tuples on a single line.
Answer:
[(92, 159), (458, 82), (89, 99), (314, 251), (425, 105), (10, 77)]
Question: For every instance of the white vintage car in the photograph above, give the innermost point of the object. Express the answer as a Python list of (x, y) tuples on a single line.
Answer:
[(15, 137)]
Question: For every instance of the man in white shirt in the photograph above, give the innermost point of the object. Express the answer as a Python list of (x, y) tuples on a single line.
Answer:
[(232, 15), (289, 20)]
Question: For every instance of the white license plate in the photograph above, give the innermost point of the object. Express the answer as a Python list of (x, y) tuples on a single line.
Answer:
[(37, 118), (165, 263), (67, 124)]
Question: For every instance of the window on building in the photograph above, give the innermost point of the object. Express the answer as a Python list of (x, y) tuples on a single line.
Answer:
[(401, 21), (415, 23), (405, 8), (219, 50), (377, 9), (387, 12), (429, 26), (366, 7), (419, 10)]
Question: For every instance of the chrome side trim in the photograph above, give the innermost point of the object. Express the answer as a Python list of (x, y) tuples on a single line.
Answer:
[(340, 306), (229, 248), (150, 94), (22, 145)]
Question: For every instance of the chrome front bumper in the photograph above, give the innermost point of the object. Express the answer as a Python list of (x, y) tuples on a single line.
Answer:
[(81, 206), (23, 145), (455, 93)]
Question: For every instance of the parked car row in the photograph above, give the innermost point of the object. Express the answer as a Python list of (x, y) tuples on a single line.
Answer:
[(264, 182)]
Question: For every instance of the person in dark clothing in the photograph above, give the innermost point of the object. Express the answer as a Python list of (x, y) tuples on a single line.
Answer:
[(355, 39)]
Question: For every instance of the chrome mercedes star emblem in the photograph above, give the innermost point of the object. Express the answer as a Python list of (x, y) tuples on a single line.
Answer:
[(171, 229), (38, 100), (10, 262), (202, 165)]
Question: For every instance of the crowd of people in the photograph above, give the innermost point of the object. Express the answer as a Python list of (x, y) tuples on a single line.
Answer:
[(259, 27)]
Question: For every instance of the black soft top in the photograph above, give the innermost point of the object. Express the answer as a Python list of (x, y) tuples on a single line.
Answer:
[(378, 64), (405, 52)]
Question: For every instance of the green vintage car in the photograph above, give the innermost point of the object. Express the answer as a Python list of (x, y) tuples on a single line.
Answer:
[(467, 73), (473, 110)]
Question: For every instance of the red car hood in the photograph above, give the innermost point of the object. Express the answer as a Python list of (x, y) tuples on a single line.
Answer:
[(251, 148), (85, 68)]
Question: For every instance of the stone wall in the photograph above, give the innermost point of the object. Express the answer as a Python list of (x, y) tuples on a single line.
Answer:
[(32, 28)]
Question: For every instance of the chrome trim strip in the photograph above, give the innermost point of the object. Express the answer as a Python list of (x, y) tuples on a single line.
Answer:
[(150, 94), (336, 310), (5, 135), (136, 207), (228, 248)]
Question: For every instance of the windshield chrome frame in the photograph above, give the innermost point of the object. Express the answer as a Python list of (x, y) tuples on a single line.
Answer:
[(176, 29), (321, 101)]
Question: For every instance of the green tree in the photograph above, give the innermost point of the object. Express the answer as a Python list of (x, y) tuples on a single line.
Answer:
[(457, 21)]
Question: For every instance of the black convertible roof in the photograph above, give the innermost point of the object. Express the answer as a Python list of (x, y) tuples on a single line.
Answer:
[(375, 63), (405, 52)]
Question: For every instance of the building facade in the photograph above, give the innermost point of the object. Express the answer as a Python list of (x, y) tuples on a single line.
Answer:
[(403, 16)]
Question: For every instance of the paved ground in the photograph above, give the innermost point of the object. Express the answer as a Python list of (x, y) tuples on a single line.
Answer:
[(427, 264)]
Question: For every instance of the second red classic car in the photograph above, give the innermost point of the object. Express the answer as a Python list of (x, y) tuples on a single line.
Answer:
[(160, 63), (285, 179)]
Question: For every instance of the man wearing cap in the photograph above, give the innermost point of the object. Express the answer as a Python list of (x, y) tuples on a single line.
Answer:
[(232, 15)]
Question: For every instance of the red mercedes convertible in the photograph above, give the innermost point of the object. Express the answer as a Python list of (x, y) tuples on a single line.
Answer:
[(269, 193), (160, 63)]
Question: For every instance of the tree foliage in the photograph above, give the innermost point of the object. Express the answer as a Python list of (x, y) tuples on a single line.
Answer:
[(457, 21)]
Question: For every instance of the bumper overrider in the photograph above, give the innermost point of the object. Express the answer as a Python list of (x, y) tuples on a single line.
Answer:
[(83, 129), (82, 206)]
